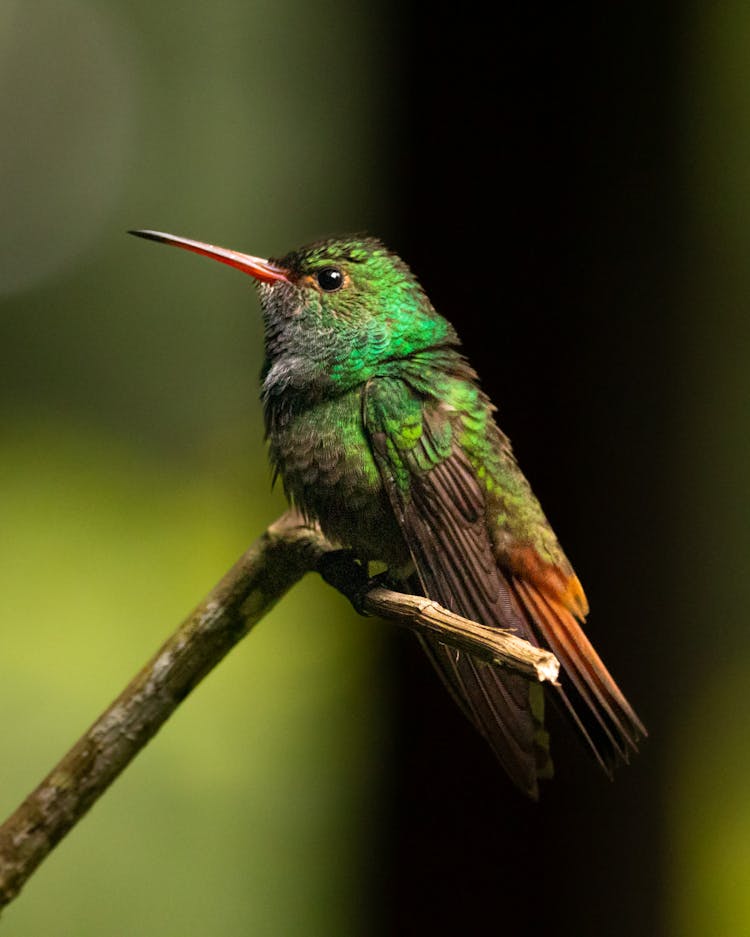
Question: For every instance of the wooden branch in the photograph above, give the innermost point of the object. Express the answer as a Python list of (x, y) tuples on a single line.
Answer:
[(488, 644), (274, 563)]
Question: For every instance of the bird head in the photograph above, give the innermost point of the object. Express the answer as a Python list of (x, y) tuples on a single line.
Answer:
[(334, 311)]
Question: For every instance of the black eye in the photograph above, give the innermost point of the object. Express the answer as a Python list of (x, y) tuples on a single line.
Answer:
[(330, 279)]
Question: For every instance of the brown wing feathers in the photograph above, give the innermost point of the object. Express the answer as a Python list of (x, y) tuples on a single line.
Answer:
[(447, 534), (444, 518)]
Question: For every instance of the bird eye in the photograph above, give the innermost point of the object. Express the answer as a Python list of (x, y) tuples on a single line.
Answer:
[(330, 279)]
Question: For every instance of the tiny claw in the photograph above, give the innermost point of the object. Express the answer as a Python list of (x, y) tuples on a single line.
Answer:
[(342, 570)]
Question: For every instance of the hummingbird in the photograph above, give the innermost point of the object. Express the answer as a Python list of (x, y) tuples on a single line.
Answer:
[(378, 427)]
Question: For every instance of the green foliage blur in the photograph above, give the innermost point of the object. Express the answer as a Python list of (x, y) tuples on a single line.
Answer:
[(707, 789), (132, 465)]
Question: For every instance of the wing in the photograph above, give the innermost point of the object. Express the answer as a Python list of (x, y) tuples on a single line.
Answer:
[(470, 521), (440, 507)]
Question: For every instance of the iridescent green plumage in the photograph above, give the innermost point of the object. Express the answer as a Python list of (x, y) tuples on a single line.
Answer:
[(379, 430)]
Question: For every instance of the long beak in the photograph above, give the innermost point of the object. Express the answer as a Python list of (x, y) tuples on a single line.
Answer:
[(261, 269)]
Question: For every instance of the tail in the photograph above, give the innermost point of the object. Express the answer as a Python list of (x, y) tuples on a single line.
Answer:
[(587, 691)]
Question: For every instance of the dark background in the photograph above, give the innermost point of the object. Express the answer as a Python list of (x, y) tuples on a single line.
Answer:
[(541, 209)]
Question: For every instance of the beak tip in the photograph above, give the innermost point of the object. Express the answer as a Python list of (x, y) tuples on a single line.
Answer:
[(257, 267), (148, 235)]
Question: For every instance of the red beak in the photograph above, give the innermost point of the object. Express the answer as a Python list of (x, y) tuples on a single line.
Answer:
[(261, 269)]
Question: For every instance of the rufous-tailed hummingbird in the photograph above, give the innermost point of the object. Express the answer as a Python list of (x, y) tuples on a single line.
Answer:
[(380, 432)]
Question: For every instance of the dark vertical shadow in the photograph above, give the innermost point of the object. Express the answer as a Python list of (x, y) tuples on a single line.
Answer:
[(536, 168)]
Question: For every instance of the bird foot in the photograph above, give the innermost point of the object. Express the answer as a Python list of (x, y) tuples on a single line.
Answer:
[(347, 574)]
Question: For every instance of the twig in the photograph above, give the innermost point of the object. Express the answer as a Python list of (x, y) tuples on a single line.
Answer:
[(488, 644), (274, 563)]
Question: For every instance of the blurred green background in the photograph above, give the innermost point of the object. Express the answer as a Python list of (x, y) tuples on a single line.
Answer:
[(132, 469), (132, 464)]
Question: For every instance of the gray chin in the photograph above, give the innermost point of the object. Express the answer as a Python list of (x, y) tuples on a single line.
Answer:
[(280, 300)]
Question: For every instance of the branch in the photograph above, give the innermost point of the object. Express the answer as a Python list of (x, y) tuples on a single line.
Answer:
[(488, 644), (271, 566)]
